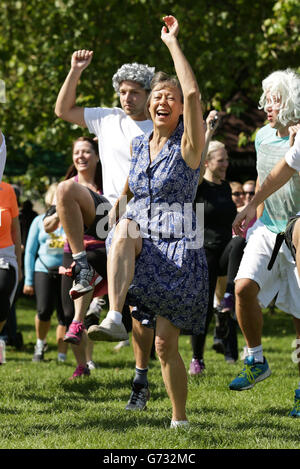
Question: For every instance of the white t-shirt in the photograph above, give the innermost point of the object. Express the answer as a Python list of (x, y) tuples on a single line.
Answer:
[(292, 157), (115, 131), (2, 157)]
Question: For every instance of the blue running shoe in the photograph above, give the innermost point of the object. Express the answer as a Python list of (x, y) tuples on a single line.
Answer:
[(295, 412), (251, 374)]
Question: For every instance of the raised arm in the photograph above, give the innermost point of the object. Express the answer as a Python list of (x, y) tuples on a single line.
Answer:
[(193, 138), (279, 175), (66, 107)]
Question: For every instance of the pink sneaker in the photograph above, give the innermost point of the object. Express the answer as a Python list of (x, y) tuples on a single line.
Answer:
[(81, 370), (196, 367), (74, 333)]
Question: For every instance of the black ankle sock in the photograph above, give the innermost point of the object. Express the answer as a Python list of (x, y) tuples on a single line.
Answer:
[(140, 378)]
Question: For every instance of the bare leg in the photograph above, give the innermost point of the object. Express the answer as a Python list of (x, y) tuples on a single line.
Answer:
[(80, 350), (2, 324), (248, 311), (121, 263), (75, 208), (41, 328), (142, 339), (172, 366), (89, 350), (81, 306), (60, 333)]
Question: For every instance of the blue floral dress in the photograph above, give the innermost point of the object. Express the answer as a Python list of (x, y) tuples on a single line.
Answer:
[(171, 277)]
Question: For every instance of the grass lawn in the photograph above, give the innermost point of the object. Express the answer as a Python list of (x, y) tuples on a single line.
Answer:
[(41, 408)]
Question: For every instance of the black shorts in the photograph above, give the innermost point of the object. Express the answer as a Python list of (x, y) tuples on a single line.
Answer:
[(99, 228)]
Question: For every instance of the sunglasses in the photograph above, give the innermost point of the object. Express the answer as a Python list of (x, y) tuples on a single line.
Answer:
[(238, 194), (249, 193)]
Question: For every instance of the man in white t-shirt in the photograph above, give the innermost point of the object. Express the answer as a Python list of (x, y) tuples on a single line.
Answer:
[(255, 279), (2, 154), (115, 128)]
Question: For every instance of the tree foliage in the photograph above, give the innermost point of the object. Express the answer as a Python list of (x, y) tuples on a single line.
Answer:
[(232, 45)]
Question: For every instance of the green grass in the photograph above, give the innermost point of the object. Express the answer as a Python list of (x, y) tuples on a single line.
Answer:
[(40, 408)]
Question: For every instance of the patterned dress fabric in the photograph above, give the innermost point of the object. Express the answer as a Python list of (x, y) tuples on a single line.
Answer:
[(171, 277)]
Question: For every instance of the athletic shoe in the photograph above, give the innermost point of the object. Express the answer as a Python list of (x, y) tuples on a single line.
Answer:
[(93, 313), (252, 373), (81, 370), (108, 331), (38, 355), (61, 357), (196, 367), (74, 333), (295, 412), (123, 343), (91, 365), (138, 398), (84, 281), (180, 424)]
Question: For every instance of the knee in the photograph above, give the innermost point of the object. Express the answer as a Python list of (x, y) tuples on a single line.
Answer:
[(164, 348), (44, 315), (126, 229), (127, 234), (246, 289), (64, 190)]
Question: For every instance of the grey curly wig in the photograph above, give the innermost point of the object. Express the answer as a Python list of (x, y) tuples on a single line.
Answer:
[(140, 73)]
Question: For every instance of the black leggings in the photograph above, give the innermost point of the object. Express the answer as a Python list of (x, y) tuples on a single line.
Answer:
[(223, 261), (48, 296), (7, 284)]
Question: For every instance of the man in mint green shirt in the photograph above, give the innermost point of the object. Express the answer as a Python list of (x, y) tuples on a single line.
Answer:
[(255, 284)]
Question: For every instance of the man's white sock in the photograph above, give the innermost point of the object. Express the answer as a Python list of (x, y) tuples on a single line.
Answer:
[(257, 353)]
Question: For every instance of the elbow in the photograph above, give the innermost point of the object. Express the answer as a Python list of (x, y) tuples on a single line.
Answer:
[(58, 112), (193, 94)]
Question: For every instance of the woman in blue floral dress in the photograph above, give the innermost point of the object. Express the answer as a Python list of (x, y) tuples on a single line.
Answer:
[(156, 258)]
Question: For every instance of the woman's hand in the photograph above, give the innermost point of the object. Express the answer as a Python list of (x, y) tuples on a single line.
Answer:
[(170, 30), (28, 290)]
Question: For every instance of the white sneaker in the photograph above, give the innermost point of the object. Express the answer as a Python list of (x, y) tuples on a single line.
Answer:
[(123, 343), (108, 331), (91, 365), (180, 424)]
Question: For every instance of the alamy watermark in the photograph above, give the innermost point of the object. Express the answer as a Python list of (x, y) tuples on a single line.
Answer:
[(296, 353), (158, 221)]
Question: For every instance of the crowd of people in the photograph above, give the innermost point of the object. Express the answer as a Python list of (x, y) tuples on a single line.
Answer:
[(146, 218)]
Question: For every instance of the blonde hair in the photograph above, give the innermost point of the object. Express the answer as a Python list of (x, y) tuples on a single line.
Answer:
[(50, 194), (213, 146)]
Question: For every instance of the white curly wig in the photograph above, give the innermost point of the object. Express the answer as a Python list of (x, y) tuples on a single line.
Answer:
[(283, 86), (140, 73)]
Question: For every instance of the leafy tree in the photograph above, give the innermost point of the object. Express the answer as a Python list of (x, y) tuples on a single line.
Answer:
[(231, 44)]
